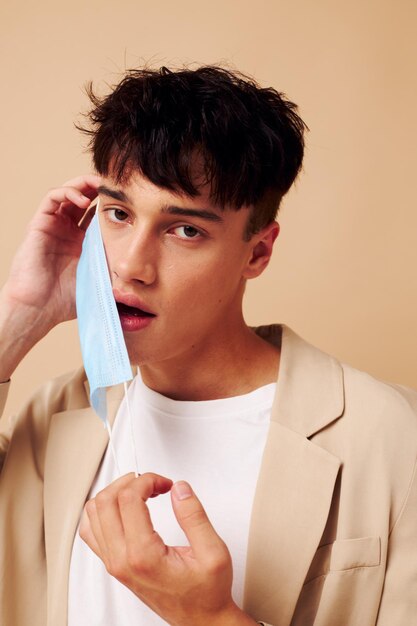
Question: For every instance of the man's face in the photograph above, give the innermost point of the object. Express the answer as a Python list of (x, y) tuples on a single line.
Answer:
[(182, 259)]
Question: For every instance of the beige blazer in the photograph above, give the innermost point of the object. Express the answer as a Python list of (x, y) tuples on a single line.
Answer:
[(333, 539)]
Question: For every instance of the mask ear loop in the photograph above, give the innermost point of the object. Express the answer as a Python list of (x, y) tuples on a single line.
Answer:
[(132, 435), (108, 428)]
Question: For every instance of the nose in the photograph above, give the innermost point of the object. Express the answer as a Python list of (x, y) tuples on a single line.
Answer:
[(136, 261)]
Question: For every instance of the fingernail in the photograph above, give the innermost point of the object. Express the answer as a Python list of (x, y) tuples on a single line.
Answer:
[(182, 490)]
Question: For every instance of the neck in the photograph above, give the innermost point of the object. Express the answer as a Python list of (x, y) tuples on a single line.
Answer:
[(235, 361)]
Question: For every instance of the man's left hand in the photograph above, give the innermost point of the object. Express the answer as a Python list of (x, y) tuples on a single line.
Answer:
[(186, 586)]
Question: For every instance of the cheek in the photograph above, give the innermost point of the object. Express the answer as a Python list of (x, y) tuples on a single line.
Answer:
[(114, 250), (202, 285)]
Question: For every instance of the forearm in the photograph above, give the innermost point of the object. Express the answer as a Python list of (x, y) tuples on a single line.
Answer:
[(21, 327)]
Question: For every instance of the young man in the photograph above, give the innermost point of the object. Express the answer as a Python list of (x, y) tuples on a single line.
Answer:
[(307, 498)]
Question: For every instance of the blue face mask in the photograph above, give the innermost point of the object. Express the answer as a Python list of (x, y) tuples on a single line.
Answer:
[(103, 348)]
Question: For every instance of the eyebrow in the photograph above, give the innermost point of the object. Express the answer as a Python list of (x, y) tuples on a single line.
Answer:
[(202, 213), (113, 193)]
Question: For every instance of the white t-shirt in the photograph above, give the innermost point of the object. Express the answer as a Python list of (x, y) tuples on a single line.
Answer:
[(216, 446)]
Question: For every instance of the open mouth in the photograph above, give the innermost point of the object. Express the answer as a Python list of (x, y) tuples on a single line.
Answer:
[(131, 311)]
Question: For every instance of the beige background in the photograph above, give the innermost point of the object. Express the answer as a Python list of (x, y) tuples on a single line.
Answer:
[(344, 272)]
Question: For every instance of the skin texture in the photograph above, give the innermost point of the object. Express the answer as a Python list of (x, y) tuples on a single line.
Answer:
[(191, 272), (184, 585), (40, 290)]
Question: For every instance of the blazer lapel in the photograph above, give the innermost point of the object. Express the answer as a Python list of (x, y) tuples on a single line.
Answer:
[(296, 481), (76, 445)]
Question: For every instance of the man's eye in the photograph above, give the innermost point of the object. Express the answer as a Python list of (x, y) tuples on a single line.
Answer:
[(117, 215), (187, 232)]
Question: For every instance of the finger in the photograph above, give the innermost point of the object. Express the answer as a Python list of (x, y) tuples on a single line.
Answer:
[(145, 486), (79, 215), (90, 530), (87, 184), (84, 182), (104, 531), (138, 528), (110, 531), (68, 195), (81, 187), (72, 211), (194, 521), (86, 533), (87, 216)]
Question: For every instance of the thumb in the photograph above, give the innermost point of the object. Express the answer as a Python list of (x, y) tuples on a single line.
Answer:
[(193, 520)]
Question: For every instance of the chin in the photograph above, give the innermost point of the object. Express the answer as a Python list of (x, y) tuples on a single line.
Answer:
[(162, 347), (142, 355)]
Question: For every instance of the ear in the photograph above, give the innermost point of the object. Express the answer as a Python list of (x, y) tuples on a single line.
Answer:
[(261, 246)]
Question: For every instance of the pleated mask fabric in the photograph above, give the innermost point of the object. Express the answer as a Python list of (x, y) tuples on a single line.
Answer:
[(103, 347)]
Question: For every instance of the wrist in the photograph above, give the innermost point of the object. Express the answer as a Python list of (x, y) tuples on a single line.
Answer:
[(233, 616)]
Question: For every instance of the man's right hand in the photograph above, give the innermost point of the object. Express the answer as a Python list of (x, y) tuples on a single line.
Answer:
[(40, 290)]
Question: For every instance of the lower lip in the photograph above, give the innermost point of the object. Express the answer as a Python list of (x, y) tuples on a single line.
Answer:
[(132, 323)]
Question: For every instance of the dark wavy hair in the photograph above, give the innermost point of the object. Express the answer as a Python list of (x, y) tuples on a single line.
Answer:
[(249, 139)]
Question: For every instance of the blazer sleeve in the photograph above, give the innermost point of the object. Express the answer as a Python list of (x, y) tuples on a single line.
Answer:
[(399, 597)]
